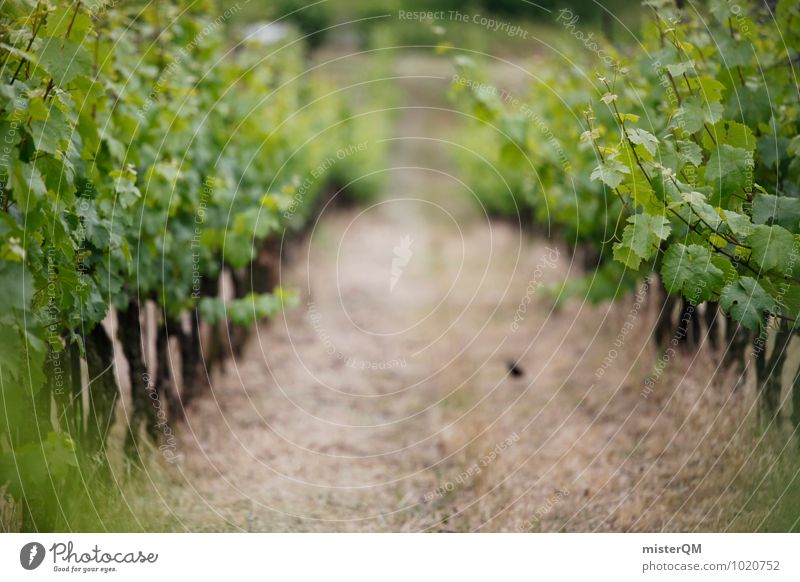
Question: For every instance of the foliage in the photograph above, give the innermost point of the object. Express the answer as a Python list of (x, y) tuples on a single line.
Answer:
[(140, 156), (696, 145), (691, 149)]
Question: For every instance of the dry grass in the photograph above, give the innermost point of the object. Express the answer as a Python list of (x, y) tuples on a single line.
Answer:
[(293, 439)]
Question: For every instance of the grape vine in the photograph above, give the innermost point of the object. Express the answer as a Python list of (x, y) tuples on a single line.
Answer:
[(684, 161), (144, 160)]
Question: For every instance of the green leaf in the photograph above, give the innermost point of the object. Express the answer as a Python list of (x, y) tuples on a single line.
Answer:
[(95, 5), (610, 172), (780, 210), (732, 133), (125, 187), (643, 195), (641, 238), (790, 301), (772, 149), (734, 53), (643, 138), (730, 169), (724, 265), (747, 302), (249, 309), (689, 270), (708, 89), (678, 69), (689, 152), (9, 138), (238, 249), (702, 209), (16, 288), (739, 224), (64, 18), (19, 53), (721, 9), (10, 348), (35, 466), (515, 129), (695, 111), (623, 117), (27, 180), (64, 60), (773, 247), (58, 177), (53, 133)]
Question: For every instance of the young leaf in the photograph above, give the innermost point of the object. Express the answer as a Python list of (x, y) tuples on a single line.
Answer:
[(641, 238), (643, 138), (689, 152), (610, 172)]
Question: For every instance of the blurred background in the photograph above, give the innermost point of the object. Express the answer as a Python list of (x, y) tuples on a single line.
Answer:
[(374, 22)]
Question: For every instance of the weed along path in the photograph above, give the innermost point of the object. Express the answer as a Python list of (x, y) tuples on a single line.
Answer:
[(427, 382)]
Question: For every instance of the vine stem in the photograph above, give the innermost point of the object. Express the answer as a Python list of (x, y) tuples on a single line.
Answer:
[(30, 42), (72, 22), (51, 82), (602, 159), (47, 89)]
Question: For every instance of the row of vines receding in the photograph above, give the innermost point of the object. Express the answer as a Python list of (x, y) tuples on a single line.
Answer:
[(149, 169), (675, 162)]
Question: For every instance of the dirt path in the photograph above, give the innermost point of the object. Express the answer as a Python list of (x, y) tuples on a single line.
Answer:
[(385, 401)]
